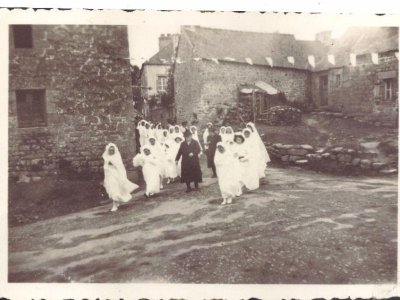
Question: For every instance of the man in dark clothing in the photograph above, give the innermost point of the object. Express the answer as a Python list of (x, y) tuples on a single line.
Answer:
[(212, 141), (190, 165)]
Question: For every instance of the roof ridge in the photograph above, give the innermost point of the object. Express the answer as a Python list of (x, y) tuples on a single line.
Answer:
[(235, 30)]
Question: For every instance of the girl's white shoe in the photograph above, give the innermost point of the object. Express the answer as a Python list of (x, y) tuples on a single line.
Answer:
[(224, 202), (114, 208), (229, 200)]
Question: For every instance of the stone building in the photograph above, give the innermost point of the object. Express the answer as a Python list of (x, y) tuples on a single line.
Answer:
[(154, 77), (69, 95), (363, 78), (216, 62)]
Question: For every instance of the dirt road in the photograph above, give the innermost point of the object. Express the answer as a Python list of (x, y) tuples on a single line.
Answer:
[(299, 227)]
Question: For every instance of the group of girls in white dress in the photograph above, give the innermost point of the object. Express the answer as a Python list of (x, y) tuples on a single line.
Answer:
[(240, 161)]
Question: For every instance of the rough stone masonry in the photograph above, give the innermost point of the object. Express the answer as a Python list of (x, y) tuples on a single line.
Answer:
[(83, 73)]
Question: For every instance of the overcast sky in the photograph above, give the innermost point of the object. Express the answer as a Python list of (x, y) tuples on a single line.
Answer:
[(144, 38)]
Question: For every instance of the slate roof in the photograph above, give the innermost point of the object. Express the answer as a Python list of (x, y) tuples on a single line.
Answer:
[(360, 40), (225, 44), (222, 44), (163, 57)]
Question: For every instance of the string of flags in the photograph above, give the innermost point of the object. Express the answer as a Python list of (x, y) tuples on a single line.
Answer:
[(290, 59)]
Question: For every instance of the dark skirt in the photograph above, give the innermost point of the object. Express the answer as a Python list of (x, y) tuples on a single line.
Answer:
[(190, 170)]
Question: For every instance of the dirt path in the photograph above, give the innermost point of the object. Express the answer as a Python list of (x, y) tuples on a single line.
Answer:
[(299, 227)]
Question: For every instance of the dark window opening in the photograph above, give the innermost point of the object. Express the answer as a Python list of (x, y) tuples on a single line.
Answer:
[(31, 108), (22, 36)]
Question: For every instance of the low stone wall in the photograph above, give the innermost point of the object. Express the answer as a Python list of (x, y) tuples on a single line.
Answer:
[(337, 160)]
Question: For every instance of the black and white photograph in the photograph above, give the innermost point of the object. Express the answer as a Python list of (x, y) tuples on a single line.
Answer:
[(255, 149)]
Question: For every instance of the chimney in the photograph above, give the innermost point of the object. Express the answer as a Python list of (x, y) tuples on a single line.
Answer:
[(325, 37), (164, 40)]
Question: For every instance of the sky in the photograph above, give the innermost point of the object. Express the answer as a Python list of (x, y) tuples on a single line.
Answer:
[(143, 39)]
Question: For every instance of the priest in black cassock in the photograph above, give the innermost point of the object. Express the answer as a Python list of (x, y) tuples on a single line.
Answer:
[(190, 165)]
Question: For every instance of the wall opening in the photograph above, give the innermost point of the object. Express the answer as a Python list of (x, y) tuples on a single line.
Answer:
[(22, 36), (31, 108)]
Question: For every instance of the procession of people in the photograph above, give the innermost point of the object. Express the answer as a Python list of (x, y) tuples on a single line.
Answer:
[(238, 159)]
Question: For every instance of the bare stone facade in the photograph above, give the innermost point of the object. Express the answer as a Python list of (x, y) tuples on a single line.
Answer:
[(360, 90), (69, 95), (201, 87)]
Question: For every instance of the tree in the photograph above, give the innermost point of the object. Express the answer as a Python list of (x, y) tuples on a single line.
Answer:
[(167, 98)]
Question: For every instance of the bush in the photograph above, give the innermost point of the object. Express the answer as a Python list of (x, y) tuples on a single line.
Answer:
[(283, 115)]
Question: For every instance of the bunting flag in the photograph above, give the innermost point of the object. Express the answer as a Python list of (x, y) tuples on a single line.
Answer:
[(290, 59), (353, 59), (311, 60), (269, 60), (331, 58), (229, 58), (375, 58)]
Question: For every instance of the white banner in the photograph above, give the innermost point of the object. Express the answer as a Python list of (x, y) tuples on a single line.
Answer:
[(331, 58), (311, 60), (269, 60), (248, 60)]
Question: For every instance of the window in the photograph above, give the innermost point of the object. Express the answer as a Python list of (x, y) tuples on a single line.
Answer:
[(162, 84), (31, 108), (22, 36), (388, 89), (338, 80)]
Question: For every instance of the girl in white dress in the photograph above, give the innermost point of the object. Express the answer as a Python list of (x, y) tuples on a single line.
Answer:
[(260, 143), (151, 170), (249, 175), (205, 134), (228, 136), (195, 136), (170, 167), (257, 159), (116, 183), (228, 171)]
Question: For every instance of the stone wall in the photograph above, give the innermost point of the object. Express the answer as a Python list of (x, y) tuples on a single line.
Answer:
[(355, 95), (188, 82), (85, 73), (203, 86), (337, 160)]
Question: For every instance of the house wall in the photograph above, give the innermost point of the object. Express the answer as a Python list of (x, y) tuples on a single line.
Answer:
[(188, 81), (356, 93), (150, 73), (86, 76), (206, 85)]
